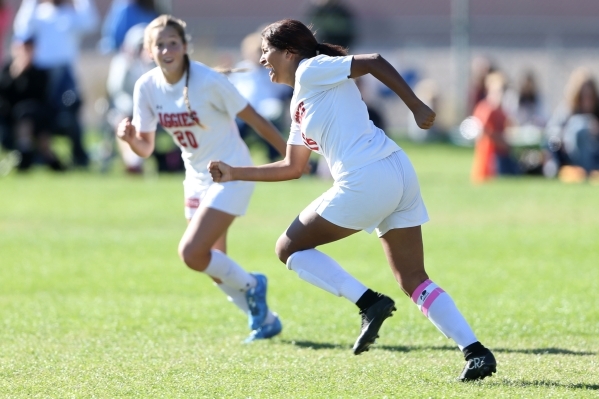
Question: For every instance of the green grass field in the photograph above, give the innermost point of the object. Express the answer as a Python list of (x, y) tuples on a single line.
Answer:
[(94, 302)]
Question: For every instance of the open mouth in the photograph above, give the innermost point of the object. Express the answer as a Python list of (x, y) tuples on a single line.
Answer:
[(271, 71)]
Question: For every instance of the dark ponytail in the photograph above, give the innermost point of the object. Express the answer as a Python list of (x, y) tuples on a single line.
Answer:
[(332, 50), (297, 38)]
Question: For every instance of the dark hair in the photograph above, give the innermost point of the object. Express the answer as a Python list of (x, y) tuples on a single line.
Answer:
[(179, 25), (297, 38), (147, 5), (592, 85)]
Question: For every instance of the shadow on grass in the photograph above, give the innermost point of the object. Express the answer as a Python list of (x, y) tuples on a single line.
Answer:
[(544, 383), (544, 351), (405, 349), (392, 348), (316, 345)]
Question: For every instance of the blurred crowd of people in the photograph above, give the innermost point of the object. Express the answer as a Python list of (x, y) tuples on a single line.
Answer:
[(40, 95), (39, 92), (517, 135)]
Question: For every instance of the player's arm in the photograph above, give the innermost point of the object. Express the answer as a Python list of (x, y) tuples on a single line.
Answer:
[(142, 143), (378, 67), (292, 167), (263, 127)]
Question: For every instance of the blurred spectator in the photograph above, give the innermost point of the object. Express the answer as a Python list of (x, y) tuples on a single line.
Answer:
[(481, 67), (573, 130), (333, 22), (253, 82), (5, 20), (123, 15), (428, 91), (492, 153), (57, 27), (527, 107), (23, 108), (125, 68)]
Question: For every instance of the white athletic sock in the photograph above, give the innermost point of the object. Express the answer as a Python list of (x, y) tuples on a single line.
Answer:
[(440, 309), (324, 272), (238, 299), (230, 273), (235, 296)]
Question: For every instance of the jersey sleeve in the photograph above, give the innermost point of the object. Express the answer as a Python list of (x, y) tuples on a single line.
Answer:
[(225, 97), (144, 118), (325, 71), (295, 135)]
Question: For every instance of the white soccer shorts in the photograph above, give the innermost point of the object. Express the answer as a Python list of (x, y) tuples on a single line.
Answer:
[(230, 197), (383, 195)]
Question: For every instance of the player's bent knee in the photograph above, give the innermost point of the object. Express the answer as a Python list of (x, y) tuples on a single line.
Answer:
[(282, 248), (193, 257)]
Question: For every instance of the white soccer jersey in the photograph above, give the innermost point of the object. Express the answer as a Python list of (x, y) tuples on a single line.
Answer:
[(214, 101), (330, 118)]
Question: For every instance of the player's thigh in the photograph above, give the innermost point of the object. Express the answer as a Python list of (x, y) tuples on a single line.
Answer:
[(307, 231), (211, 209), (205, 229), (410, 210)]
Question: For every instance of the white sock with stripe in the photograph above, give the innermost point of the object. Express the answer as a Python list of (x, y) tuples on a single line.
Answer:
[(324, 272), (230, 273), (440, 309)]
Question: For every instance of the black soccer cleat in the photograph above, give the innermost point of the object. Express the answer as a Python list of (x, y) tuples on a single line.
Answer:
[(479, 367), (372, 320)]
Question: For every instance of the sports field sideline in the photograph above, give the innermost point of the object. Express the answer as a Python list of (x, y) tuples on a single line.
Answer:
[(94, 301)]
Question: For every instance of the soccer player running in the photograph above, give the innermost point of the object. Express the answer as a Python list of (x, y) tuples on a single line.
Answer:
[(375, 184), (198, 106)]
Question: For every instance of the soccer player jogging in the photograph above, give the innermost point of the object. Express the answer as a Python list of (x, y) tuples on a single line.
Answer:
[(375, 184), (198, 106)]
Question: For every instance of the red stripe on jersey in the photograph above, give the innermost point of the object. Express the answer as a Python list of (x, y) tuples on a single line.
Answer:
[(300, 112), (311, 144), (192, 203)]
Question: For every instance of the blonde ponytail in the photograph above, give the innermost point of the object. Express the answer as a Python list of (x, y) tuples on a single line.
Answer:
[(186, 92)]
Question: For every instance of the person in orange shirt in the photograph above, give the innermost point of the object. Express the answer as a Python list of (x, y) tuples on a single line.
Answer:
[(492, 153)]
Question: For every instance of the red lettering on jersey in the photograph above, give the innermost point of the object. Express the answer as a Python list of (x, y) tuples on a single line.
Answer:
[(311, 144), (300, 112), (164, 119), (184, 119), (178, 119), (194, 118)]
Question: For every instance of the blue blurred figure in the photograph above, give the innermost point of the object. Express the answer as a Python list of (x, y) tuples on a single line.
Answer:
[(122, 16), (572, 132)]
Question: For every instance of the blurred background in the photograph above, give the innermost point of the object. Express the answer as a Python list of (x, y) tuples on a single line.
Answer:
[(541, 53)]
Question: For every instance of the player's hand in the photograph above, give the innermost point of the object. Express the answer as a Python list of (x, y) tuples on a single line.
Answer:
[(424, 116), (126, 131), (220, 171)]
